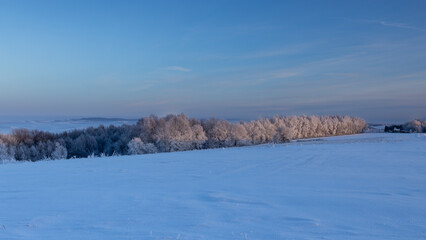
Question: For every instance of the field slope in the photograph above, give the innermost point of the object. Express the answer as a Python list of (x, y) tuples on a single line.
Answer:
[(367, 186)]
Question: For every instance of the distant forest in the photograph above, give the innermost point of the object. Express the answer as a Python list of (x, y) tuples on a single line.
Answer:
[(168, 134), (409, 127)]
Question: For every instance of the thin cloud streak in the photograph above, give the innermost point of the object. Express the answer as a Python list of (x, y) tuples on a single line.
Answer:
[(342, 74), (177, 68), (286, 74), (260, 54), (289, 50), (397, 25), (387, 24)]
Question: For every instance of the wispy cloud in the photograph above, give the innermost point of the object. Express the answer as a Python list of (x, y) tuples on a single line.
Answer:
[(396, 25), (265, 53), (177, 68), (295, 49), (386, 23), (251, 79), (342, 74), (285, 74), (140, 89)]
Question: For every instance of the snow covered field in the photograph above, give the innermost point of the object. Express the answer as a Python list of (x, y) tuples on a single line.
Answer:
[(367, 186)]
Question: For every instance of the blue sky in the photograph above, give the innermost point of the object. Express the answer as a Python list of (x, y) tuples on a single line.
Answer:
[(229, 59)]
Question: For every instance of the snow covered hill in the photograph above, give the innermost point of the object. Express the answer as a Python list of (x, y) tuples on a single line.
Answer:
[(367, 186)]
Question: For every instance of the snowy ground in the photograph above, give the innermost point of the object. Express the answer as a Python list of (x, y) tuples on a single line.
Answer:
[(368, 186)]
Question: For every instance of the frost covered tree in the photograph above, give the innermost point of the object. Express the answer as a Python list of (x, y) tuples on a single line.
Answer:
[(180, 135), (198, 135), (220, 134), (239, 135), (147, 127), (174, 133), (137, 147), (414, 126), (60, 152), (6, 153)]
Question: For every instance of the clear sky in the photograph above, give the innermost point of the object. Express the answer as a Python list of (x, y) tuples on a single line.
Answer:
[(229, 59)]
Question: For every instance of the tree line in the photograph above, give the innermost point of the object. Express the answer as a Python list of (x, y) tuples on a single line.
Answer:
[(408, 127), (168, 134)]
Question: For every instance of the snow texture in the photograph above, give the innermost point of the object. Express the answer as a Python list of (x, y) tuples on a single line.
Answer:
[(366, 186)]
